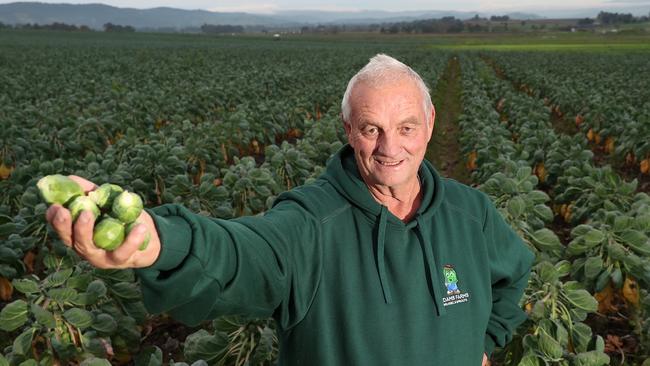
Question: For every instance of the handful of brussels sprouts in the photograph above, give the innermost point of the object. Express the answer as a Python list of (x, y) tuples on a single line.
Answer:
[(116, 208)]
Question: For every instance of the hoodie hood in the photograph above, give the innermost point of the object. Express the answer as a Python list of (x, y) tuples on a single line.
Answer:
[(343, 174)]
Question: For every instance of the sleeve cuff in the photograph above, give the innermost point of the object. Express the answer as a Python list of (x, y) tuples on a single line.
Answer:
[(175, 237), (489, 346)]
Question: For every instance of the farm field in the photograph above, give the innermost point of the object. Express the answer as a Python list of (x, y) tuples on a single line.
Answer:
[(555, 128)]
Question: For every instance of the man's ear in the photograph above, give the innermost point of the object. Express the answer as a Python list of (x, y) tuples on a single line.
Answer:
[(346, 125), (432, 121)]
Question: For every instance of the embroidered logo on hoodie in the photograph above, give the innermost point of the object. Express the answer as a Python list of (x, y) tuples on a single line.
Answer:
[(454, 295)]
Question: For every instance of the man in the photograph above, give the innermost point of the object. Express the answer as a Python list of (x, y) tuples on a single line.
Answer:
[(379, 262)]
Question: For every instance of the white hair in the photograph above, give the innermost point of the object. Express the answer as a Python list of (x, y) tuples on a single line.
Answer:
[(383, 69)]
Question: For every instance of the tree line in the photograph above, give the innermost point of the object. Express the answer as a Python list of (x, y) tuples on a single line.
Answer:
[(57, 26)]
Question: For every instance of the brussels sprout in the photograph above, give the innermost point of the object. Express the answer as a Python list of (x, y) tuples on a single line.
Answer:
[(82, 203), (105, 195), (59, 189), (147, 235), (127, 207), (108, 234)]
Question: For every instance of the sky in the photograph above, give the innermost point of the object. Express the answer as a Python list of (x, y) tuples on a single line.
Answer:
[(271, 6)]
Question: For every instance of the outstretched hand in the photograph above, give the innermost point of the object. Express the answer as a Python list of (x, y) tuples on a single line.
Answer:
[(79, 236)]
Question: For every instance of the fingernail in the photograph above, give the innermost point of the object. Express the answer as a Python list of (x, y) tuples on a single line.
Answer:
[(59, 219), (83, 217), (140, 230)]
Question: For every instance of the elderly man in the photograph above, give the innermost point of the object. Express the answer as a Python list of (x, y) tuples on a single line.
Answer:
[(379, 262)]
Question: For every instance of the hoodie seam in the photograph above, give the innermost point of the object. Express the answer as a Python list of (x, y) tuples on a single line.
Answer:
[(464, 212), (336, 212)]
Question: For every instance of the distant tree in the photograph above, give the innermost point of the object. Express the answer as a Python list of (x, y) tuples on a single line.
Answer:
[(586, 21), (221, 28), (615, 18), (110, 27), (496, 18), (476, 28)]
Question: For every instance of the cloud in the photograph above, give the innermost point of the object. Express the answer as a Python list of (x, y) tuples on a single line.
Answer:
[(260, 8), (631, 2)]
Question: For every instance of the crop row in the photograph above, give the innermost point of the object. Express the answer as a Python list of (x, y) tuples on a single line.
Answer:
[(608, 97), (516, 152)]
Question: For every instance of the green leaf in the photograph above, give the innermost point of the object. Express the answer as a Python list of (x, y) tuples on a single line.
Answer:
[(529, 360), (97, 288), (546, 240), (93, 361), (603, 280), (84, 299), (79, 282), (593, 266), (105, 323), (205, 346), (26, 286), (43, 317), (637, 241), (543, 212), (150, 356), (581, 230), (563, 268), (30, 362), (58, 278), (516, 206), (538, 197), (13, 315), (582, 300), (547, 273), (23, 343), (594, 237), (126, 290), (549, 346), (79, 318), (591, 358), (62, 295), (581, 336)]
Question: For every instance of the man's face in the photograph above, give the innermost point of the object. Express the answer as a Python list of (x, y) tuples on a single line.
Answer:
[(389, 133)]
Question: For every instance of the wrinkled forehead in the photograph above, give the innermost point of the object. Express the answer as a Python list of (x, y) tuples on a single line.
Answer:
[(403, 86)]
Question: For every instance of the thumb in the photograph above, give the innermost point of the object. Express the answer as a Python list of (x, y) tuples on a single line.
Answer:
[(135, 238)]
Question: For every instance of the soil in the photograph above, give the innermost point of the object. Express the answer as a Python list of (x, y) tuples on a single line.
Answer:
[(168, 335), (444, 148)]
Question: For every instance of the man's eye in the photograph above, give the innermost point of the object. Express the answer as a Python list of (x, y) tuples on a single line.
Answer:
[(370, 131), (407, 130)]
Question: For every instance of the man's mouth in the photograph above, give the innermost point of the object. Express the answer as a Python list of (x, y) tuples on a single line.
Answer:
[(389, 162)]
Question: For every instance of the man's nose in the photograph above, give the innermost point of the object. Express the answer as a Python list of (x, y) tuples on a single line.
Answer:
[(389, 144)]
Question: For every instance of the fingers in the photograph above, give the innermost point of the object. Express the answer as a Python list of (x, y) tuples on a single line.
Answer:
[(83, 235), (136, 237), (61, 221), (86, 185)]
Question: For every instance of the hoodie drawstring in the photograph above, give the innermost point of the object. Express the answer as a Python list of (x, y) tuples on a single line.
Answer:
[(381, 265), (428, 257), (431, 266)]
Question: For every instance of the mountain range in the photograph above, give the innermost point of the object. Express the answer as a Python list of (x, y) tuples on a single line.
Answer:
[(96, 15)]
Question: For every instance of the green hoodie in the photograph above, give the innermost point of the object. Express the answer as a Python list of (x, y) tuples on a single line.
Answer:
[(348, 282)]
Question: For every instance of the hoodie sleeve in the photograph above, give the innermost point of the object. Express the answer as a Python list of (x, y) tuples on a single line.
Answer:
[(510, 261), (258, 266)]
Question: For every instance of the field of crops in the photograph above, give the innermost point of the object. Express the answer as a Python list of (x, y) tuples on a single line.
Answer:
[(559, 140)]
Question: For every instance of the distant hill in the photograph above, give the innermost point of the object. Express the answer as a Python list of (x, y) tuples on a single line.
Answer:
[(96, 15)]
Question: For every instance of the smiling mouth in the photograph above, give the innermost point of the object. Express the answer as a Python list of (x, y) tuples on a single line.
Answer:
[(389, 163)]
